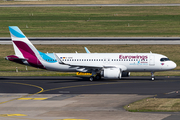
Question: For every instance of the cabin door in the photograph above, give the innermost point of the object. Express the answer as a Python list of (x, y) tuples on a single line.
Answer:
[(151, 60)]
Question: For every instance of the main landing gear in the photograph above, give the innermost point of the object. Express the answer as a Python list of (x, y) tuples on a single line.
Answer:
[(91, 78), (152, 76), (97, 77)]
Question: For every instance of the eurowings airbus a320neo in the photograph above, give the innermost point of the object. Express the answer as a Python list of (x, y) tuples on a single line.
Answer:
[(101, 65)]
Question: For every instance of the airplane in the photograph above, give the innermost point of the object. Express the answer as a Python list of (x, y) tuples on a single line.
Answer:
[(100, 65)]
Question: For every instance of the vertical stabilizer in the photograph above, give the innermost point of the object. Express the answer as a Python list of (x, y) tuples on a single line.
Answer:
[(20, 41), (24, 48)]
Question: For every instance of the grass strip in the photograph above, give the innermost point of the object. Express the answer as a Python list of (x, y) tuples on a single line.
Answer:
[(157, 21), (90, 2), (37, 73), (154, 105)]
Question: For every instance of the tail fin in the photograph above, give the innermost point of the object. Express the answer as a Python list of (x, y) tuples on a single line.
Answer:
[(20, 42), (23, 47)]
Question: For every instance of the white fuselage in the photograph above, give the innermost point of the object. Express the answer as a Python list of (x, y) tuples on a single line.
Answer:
[(131, 62)]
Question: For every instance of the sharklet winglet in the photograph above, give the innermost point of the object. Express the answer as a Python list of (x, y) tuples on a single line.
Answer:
[(57, 58), (87, 51)]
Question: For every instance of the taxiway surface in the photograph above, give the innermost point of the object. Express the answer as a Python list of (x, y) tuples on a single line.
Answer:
[(62, 98), (82, 85)]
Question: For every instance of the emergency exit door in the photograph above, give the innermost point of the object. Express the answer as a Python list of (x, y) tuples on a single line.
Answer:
[(152, 60)]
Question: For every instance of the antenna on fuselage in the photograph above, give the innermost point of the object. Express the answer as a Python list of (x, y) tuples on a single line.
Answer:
[(150, 52)]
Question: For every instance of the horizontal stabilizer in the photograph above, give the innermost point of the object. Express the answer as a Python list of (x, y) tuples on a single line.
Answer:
[(13, 57)]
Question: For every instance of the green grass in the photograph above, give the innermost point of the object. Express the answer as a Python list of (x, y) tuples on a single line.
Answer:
[(154, 105), (90, 2), (92, 21), (35, 73)]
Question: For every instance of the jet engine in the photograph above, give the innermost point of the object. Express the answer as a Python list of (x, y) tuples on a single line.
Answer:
[(125, 74), (111, 73)]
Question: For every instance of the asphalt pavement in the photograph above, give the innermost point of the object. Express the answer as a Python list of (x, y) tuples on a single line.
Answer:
[(161, 87), (74, 98)]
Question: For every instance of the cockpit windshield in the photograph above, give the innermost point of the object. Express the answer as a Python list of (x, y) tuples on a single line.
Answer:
[(164, 59)]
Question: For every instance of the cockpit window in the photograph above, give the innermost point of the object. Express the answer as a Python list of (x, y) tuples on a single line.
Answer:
[(164, 59)]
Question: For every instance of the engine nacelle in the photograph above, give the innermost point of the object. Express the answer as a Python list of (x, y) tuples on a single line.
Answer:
[(111, 73), (125, 74)]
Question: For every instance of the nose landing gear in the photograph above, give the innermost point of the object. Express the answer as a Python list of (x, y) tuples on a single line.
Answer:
[(152, 76)]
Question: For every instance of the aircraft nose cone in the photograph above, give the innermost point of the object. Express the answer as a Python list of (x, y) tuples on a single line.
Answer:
[(173, 65)]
